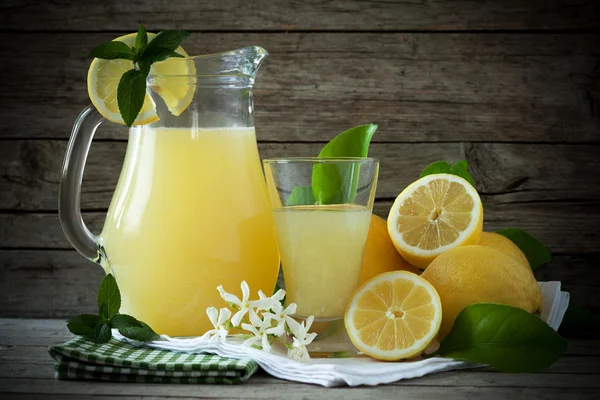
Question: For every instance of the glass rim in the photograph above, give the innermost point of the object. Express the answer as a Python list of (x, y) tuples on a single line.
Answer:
[(317, 160)]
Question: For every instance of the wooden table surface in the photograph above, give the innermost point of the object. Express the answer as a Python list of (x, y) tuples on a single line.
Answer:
[(26, 373)]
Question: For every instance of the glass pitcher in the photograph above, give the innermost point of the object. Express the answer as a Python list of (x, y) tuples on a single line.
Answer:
[(190, 211)]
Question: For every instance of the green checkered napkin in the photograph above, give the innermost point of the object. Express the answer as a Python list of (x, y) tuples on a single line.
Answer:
[(82, 359)]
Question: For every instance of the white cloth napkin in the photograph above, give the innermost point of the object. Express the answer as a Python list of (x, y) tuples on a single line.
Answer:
[(351, 371)]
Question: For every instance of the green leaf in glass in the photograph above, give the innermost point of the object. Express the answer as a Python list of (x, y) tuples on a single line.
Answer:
[(301, 196), (337, 183), (508, 338), (537, 254)]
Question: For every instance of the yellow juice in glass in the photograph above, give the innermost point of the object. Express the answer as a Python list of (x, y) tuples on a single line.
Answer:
[(321, 253), (190, 212)]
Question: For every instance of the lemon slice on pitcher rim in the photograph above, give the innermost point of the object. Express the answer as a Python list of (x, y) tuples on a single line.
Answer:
[(394, 315), (434, 214), (104, 76)]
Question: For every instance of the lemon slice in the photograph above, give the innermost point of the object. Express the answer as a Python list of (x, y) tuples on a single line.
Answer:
[(104, 76), (434, 214), (393, 316)]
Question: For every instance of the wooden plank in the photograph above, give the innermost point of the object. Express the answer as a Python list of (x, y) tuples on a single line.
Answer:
[(272, 388), (505, 174), (565, 227), (282, 15), (65, 284), (417, 87)]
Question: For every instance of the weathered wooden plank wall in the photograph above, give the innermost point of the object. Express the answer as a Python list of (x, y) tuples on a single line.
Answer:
[(512, 86)]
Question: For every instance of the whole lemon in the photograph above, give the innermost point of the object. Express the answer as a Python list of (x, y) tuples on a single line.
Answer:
[(472, 274), (505, 245), (380, 254)]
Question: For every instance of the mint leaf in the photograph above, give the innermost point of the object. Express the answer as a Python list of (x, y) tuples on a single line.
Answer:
[(438, 167), (124, 321), (337, 183), (113, 50), (301, 196), (103, 312), (141, 40), (508, 338), (131, 94), (108, 295), (461, 169), (537, 254), (160, 55), (97, 328), (84, 324), (163, 45), (143, 333), (101, 334)]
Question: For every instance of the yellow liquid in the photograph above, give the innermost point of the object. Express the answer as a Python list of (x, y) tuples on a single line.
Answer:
[(321, 253), (190, 212)]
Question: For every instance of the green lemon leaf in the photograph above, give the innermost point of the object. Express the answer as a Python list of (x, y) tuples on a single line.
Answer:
[(113, 50), (301, 196), (141, 40), (336, 183), (101, 334), (109, 296), (142, 333), (461, 169), (131, 93), (438, 167), (124, 321), (84, 324), (537, 254), (508, 338)]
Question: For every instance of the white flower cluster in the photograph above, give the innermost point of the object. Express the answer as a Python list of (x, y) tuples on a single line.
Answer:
[(265, 319)]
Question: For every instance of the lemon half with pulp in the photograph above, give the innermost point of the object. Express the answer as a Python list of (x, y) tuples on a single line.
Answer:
[(104, 76)]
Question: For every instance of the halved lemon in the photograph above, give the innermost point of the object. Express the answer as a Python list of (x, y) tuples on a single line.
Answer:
[(434, 214), (104, 76), (393, 316)]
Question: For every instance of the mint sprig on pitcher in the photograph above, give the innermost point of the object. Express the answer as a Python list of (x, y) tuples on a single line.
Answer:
[(97, 328), (131, 91)]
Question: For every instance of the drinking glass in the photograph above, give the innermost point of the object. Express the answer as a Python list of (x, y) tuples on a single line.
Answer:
[(322, 211)]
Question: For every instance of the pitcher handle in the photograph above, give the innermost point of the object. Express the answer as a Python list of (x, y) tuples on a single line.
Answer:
[(69, 195)]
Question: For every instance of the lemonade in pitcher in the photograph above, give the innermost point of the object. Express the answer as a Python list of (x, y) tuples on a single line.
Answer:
[(184, 220), (190, 211)]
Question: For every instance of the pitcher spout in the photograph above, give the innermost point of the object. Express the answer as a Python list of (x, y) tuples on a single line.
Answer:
[(245, 61), (238, 67)]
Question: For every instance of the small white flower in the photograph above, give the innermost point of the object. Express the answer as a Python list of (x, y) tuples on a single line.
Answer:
[(218, 319), (242, 305), (265, 303), (259, 330), (301, 338), (279, 314)]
